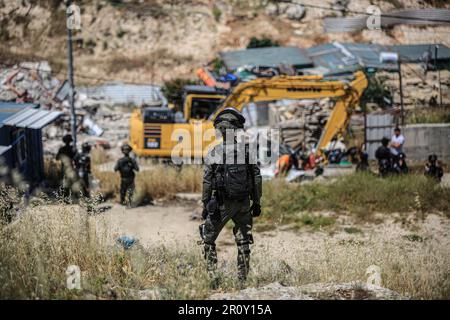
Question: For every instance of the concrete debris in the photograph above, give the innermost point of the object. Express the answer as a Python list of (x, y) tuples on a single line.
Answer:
[(29, 82), (301, 122), (96, 107)]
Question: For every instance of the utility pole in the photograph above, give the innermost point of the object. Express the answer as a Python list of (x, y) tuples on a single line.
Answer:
[(401, 91), (73, 118), (436, 48)]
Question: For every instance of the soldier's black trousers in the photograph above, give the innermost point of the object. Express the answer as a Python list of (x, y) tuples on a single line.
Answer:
[(126, 191), (239, 213)]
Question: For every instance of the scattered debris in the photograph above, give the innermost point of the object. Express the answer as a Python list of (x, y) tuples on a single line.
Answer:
[(126, 242)]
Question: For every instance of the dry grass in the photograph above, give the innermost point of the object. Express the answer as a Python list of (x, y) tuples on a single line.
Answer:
[(153, 182), (414, 269), (37, 249)]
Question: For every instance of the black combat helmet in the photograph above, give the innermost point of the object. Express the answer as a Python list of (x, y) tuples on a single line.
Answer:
[(86, 147), (67, 139), (229, 118), (432, 158), (126, 149)]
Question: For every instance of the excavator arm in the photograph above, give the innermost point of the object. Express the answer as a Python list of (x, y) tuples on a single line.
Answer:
[(346, 93)]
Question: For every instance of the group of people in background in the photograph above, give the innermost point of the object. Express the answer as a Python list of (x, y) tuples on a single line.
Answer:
[(76, 170), (392, 159)]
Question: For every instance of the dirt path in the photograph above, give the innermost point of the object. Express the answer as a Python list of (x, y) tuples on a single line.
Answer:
[(173, 225)]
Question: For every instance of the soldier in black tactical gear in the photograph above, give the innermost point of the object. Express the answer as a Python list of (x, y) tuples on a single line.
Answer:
[(126, 167), (229, 184), (400, 165), (67, 154), (384, 157), (83, 161), (433, 169)]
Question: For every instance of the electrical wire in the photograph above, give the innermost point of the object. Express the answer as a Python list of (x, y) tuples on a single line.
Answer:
[(363, 13)]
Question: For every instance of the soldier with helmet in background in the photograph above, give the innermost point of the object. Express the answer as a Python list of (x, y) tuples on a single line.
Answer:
[(66, 155), (228, 188), (83, 161), (126, 167), (433, 169)]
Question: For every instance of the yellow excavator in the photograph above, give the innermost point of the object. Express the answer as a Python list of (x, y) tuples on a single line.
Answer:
[(155, 132)]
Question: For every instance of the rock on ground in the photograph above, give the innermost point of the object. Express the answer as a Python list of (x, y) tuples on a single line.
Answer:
[(315, 291)]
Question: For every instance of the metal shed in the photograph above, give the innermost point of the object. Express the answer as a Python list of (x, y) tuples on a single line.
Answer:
[(21, 138)]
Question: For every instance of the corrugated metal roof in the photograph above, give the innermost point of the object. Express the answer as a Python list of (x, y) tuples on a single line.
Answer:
[(8, 109), (427, 16), (32, 118), (338, 58), (266, 57), (415, 52), (119, 93)]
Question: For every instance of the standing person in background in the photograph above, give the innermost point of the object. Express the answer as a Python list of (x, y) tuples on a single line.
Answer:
[(66, 155), (397, 142), (126, 167), (83, 161), (384, 157)]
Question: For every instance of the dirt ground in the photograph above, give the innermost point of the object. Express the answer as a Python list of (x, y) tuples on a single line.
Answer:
[(172, 224)]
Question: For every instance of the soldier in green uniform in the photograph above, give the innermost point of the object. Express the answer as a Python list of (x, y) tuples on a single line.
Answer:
[(66, 155), (231, 190), (126, 167), (83, 161)]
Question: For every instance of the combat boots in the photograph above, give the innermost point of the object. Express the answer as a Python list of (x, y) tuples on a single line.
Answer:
[(210, 256), (243, 262)]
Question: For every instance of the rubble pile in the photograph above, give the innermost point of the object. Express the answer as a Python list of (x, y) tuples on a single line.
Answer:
[(300, 122), (102, 112), (29, 82), (419, 88)]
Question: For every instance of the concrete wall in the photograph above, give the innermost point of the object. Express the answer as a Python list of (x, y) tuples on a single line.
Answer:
[(425, 139)]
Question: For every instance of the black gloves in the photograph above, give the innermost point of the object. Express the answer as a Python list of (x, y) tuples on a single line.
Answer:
[(256, 209)]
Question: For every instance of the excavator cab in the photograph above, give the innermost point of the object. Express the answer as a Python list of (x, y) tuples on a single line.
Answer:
[(200, 102), (152, 128)]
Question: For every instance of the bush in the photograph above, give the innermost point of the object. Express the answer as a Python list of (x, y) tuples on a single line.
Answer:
[(9, 198), (217, 13), (428, 115), (261, 43), (173, 90)]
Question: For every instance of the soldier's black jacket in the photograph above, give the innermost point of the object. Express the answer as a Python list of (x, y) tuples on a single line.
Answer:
[(255, 179), (126, 166)]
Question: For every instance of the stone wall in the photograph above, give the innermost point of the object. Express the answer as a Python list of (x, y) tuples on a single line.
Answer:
[(425, 139)]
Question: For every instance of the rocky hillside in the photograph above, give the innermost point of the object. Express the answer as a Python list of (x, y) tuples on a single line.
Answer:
[(155, 40)]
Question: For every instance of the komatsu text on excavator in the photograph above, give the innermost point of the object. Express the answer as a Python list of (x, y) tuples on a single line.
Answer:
[(153, 129)]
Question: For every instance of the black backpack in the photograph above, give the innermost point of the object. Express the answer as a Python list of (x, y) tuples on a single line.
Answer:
[(234, 180)]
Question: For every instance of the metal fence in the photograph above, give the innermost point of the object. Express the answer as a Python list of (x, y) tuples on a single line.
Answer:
[(378, 125)]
